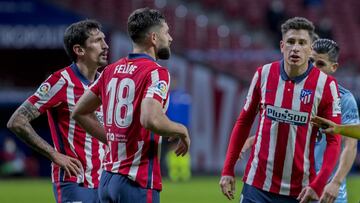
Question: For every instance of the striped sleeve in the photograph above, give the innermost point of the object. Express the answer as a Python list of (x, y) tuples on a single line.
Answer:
[(330, 109), (49, 94), (158, 83), (96, 86)]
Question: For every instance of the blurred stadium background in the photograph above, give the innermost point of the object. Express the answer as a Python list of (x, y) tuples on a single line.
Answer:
[(217, 47)]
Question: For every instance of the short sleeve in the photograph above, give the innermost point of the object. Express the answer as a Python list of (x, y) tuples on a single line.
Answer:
[(331, 103), (49, 94), (158, 83), (349, 109), (96, 87)]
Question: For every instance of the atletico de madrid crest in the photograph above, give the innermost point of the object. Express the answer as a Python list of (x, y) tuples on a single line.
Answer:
[(305, 96)]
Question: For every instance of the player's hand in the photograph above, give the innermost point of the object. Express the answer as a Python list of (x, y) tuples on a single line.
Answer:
[(248, 144), (326, 125), (71, 165), (307, 194), (183, 145), (227, 185), (330, 193)]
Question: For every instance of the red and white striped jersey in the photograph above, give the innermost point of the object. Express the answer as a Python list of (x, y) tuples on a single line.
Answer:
[(282, 157), (133, 151), (58, 96)]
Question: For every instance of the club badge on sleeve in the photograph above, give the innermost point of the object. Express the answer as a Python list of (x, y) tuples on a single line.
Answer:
[(336, 106)]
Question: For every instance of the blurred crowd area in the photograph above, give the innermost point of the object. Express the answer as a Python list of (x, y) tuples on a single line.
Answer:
[(216, 49)]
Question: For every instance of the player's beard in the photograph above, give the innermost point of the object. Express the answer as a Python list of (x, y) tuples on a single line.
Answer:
[(102, 62), (164, 53)]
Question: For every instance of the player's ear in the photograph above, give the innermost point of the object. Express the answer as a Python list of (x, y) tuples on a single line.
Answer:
[(153, 37), (334, 66), (281, 46), (78, 50)]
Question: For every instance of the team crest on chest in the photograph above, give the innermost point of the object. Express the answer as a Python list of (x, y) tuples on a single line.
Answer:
[(305, 96)]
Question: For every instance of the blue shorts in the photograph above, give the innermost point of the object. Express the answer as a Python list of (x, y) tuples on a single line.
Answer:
[(118, 188), (251, 194), (69, 192)]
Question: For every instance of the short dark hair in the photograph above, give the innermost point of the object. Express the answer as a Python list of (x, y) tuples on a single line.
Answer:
[(78, 33), (141, 20), (298, 23), (315, 37), (327, 46)]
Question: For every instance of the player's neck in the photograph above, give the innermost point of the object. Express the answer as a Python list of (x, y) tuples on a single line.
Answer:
[(87, 71), (144, 50), (293, 72)]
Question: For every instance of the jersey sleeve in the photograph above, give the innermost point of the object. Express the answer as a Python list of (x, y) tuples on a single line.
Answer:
[(349, 109), (329, 108), (96, 87), (242, 126), (157, 85), (49, 94)]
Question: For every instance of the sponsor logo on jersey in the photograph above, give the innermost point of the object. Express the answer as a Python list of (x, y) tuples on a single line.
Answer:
[(353, 115), (305, 96), (287, 115), (43, 89)]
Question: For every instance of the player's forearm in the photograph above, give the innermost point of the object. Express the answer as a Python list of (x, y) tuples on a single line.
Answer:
[(348, 130), (238, 137), (331, 155), (23, 130), (347, 158), (91, 125), (161, 125), (153, 118)]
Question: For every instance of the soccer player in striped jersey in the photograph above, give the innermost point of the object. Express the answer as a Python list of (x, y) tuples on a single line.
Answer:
[(286, 93), (325, 56), (76, 156), (134, 95)]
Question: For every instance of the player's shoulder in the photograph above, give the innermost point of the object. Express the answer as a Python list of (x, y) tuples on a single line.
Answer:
[(150, 64), (331, 80), (110, 67), (150, 67), (273, 64), (156, 66), (116, 63), (344, 91), (55, 80), (58, 75), (345, 94), (328, 77), (59, 72)]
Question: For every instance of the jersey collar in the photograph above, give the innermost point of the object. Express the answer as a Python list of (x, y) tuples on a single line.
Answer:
[(297, 79), (140, 55), (79, 75)]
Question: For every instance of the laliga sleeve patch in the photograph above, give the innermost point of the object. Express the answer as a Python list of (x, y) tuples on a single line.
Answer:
[(43, 89), (337, 106), (160, 88)]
